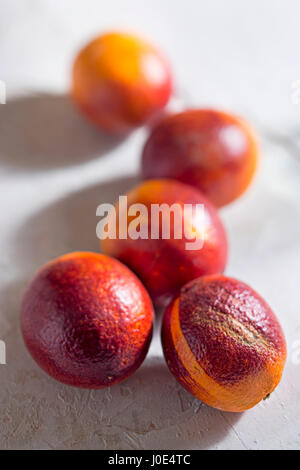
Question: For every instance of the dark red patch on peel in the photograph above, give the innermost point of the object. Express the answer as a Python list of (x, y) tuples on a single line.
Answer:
[(87, 320), (230, 329)]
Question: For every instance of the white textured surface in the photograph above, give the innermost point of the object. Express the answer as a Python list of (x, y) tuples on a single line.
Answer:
[(55, 170)]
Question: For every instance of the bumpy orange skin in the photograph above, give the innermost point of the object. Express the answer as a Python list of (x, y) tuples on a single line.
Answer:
[(223, 343), (87, 320), (165, 265), (214, 151), (120, 81)]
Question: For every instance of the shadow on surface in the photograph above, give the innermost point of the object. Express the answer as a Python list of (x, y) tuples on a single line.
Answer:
[(68, 224), (44, 131)]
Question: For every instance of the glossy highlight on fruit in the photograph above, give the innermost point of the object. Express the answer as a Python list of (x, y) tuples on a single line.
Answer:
[(165, 264), (87, 320), (120, 81), (212, 150), (223, 343)]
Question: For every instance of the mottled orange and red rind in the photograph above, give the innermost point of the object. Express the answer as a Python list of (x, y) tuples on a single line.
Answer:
[(212, 150), (120, 81), (165, 265), (223, 343), (87, 320)]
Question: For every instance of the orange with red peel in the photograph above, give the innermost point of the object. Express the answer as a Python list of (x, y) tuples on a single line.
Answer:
[(214, 151), (87, 320), (165, 264), (120, 81), (223, 343)]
